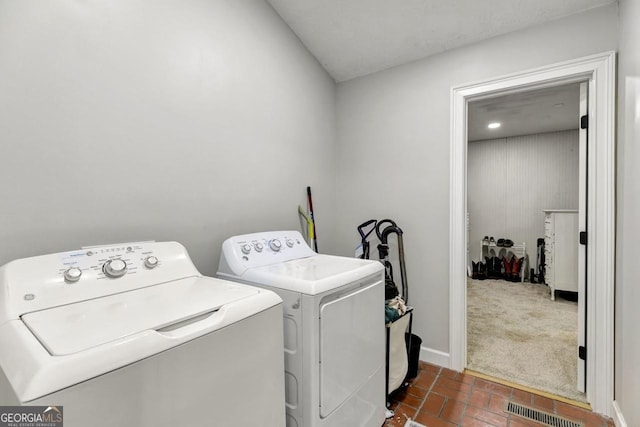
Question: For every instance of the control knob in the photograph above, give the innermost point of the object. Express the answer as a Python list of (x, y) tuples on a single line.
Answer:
[(275, 245), (115, 268), (246, 248), (72, 274), (151, 261), (258, 247), (290, 243)]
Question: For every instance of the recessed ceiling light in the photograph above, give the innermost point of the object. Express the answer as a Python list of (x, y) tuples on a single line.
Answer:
[(494, 125)]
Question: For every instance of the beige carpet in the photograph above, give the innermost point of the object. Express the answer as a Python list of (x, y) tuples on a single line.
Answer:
[(515, 332)]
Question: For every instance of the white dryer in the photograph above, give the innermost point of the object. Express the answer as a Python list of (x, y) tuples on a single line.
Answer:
[(133, 335), (334, 333)]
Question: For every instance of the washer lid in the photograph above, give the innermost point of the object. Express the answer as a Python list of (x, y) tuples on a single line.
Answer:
[(312, 275), (76, 327)]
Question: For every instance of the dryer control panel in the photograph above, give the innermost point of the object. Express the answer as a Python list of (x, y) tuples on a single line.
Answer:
[(52, 280), (260, 249)]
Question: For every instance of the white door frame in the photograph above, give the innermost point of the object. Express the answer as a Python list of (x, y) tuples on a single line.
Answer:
[(582, 226), (599, 70)]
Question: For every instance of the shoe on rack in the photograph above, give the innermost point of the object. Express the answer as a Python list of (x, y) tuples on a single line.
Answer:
[(475, 266), (492, 241), (488, 262), (497, 266), (515, 269), (508, 267), (485, 241), (482, 271), (500, 242), (494, 267), (508, 243)]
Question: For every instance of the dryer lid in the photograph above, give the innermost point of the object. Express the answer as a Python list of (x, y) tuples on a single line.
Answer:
[(313, 275), (80, 326)]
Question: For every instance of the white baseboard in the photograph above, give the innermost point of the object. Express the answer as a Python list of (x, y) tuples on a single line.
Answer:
[(435, 357), (618, 419)]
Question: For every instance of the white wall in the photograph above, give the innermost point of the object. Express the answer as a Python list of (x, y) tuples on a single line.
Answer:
[(627, 351), (189, 121), (393, 146), (511, 180)]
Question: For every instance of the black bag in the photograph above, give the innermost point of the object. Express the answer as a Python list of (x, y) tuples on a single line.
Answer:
[(390, 289)]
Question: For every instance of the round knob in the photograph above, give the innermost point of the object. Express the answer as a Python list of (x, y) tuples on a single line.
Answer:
[(115, 268), (72, 274), (258, 247), (151, 262), (275, 245), (246, 248), (290, 243)]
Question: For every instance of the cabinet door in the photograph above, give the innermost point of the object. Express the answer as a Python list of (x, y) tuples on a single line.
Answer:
[(548, 252), (566, 251)]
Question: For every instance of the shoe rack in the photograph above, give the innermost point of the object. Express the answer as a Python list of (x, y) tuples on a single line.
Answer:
[(518, 249)]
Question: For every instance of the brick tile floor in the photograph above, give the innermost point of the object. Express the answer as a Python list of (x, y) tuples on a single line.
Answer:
[(440, 397)]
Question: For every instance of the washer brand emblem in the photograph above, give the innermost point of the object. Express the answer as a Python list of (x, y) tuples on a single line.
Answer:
[(31, 416)]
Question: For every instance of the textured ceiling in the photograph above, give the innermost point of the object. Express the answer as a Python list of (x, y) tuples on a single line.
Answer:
[(526, 113), (353, 38)]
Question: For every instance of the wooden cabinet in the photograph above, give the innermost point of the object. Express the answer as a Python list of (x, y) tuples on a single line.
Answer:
[(561, 241)]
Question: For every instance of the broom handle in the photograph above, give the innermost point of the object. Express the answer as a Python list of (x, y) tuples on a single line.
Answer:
[(313, 220)]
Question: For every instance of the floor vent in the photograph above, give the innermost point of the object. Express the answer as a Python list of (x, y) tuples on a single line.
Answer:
[(539, 416)]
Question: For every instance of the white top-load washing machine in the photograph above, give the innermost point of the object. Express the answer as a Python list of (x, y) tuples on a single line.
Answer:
[(133, 335), (334, 333)]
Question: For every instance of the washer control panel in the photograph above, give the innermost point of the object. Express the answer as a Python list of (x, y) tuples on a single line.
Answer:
[(261, 249), (50, 280), (107, 262)]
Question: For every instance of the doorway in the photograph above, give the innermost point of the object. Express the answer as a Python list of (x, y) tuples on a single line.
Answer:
[(599, 72), (525, 165)]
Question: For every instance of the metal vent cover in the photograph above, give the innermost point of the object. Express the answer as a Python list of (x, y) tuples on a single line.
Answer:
[(540, 416)]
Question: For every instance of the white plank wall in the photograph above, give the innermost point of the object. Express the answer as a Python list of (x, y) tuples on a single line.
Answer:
[(510, 182)]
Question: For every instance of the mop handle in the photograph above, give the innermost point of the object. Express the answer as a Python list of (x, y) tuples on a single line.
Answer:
[(309, 224)]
